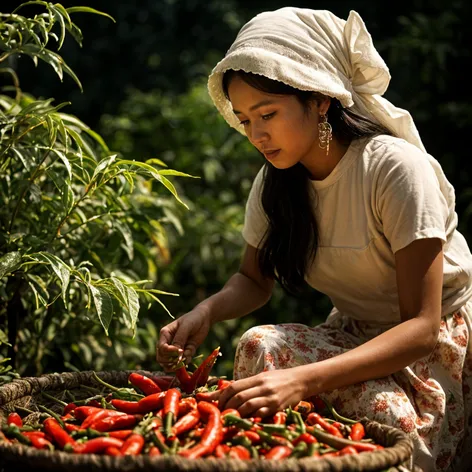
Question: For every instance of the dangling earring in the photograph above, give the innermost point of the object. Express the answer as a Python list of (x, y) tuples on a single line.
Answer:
[(325, 133)]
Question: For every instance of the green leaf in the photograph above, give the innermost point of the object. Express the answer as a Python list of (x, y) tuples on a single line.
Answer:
[(124, 229), (103, 164), (176, 173), (39, 289), (156, 161), (103, 304), (9, 263), (89, 10), (162, 304), (64, 159), (23, 158), (59, 17), (67, 197), (60, 268), (133, 307), (3, 339), (170, 186)]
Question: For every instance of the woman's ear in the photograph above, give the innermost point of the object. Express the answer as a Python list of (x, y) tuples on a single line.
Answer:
[(324, 105)]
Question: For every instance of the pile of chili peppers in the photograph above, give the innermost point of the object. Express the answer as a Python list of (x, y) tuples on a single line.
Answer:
[(156, 417)]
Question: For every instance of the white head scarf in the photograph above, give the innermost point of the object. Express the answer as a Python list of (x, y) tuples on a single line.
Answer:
[(315, 50)]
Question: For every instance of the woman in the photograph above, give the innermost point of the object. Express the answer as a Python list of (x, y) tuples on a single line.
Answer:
[(350, 202)]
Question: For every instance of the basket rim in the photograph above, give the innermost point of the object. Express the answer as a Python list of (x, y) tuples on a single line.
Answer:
[(400, 452)]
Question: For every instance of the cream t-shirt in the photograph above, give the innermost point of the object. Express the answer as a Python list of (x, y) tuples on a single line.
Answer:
[(383, 194)]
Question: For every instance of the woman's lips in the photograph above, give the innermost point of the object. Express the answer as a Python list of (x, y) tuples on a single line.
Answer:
[(269, 155)]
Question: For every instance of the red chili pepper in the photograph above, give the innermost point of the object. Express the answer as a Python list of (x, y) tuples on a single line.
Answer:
[(81, 412), (255, 419), (152, 402), (154, 451), (110, 414), (97, 445), (163, 381), (111, 423), (204, 396), (279, 452), (252, 435), (69, 407), (195, 452), (187, 405), (303, 407), (112, 451), (231, 411), (315, 418), (280, 417), (133, 445), (213, 433), (39, 434), (186, 423), (185, 379), (221, 450), (229, 432), (222, 384), (366, 447), (200, 376), (97, 416), (39, 442), (71, 427), (125, 406), (171, 409), (239, 452), (308, 438), (15, 418), (120, 434), (53, 429), (94, 403), (357, 432), (348, 450), (156, 422), (145, 384)]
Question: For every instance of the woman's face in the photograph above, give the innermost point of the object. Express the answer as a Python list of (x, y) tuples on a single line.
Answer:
[(277, 125)]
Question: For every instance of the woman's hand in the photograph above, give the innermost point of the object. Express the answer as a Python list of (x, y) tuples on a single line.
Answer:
[(263, 394), (182, 337)]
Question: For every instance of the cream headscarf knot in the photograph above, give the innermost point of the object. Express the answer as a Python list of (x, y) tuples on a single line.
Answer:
[(315, 50)]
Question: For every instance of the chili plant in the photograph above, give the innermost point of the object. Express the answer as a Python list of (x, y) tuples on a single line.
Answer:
[(80, 227)]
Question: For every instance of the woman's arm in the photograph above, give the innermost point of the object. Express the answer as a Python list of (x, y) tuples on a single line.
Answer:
[(419, 280), (419, 270), (245, 291)]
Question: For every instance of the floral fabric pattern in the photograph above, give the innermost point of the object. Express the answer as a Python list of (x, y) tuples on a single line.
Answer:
[(431, 399)]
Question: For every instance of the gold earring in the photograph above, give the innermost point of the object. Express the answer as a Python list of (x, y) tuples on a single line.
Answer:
[(325, 133)]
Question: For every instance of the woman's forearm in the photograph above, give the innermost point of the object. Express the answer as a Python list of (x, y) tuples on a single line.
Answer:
[(385, 354), (240, 296)]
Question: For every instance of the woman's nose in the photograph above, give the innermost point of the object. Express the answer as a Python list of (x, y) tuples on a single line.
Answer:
[(258, 134)]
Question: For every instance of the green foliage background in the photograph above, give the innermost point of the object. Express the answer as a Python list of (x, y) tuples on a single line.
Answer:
[(144, 82)]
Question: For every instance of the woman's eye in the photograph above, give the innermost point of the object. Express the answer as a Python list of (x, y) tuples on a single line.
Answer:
[(244, 122), (268, 117)]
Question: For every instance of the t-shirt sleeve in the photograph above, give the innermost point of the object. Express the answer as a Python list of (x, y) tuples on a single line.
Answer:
[(255, 219), (409, 200)]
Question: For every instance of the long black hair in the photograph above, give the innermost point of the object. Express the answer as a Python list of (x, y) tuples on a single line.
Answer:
[(292, 238)]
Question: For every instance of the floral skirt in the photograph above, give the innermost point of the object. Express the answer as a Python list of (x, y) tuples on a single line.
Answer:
[(431, 399)]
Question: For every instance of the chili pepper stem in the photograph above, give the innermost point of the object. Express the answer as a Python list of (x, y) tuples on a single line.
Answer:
[(337, 416), (168, 422), (54, 399), (105, 384), (53, 414)]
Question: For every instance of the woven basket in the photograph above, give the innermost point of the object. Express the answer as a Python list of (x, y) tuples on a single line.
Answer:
[(26, 393)]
